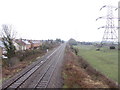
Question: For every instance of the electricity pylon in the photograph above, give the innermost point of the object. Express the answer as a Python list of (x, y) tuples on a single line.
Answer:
[(110, 34)]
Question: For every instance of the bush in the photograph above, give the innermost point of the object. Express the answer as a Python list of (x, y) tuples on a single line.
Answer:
[(4, 62), (75, 50), (23, 54), (112, 47), (46, 46), (97, 49)]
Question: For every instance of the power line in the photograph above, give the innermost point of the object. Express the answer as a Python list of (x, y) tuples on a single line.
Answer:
[(110, 33)]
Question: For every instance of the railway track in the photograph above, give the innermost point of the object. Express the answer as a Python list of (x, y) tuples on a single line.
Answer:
[(37, 75)]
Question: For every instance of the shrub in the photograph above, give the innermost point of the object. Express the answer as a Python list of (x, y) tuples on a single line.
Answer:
[(23, 54), (112, 47)]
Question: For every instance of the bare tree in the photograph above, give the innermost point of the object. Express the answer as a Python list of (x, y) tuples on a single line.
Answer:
[(7, 38)]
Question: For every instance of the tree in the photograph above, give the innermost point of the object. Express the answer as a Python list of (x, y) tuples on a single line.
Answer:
[(58, 40), (72, 42), (8, 36)]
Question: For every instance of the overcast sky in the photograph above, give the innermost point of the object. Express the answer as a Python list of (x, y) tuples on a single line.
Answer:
[(51, 19)]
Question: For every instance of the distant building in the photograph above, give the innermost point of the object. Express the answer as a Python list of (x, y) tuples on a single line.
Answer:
[(22, 44), (35, 43), (27, 44), (17, 45), (2, 48)]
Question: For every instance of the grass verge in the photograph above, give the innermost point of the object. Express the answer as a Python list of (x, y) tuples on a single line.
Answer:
[(105, 60)]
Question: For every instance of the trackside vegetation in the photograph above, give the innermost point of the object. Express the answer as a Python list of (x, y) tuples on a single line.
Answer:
[(105, 60)]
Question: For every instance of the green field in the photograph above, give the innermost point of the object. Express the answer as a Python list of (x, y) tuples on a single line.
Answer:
[(105, 60)]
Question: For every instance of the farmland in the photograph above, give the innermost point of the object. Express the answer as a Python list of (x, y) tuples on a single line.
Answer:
[(105, 60)]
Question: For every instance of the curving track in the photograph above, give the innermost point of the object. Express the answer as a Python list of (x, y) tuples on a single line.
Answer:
[(44, 73)]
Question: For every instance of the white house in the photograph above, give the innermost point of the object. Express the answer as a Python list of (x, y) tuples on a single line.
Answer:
[(2, 49), (17, 46), (21, 44)]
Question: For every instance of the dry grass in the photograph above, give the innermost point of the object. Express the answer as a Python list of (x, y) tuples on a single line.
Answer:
[(76, 77)]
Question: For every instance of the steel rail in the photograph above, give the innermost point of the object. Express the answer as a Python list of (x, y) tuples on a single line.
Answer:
[(28, 72)]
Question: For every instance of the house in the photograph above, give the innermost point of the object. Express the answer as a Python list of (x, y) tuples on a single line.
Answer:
[(22, 44), (27, 44), (2, 49), (17, 45), (35, 43)]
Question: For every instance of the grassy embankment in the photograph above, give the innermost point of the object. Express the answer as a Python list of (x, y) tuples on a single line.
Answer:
[(75, 76), (105, 60)]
